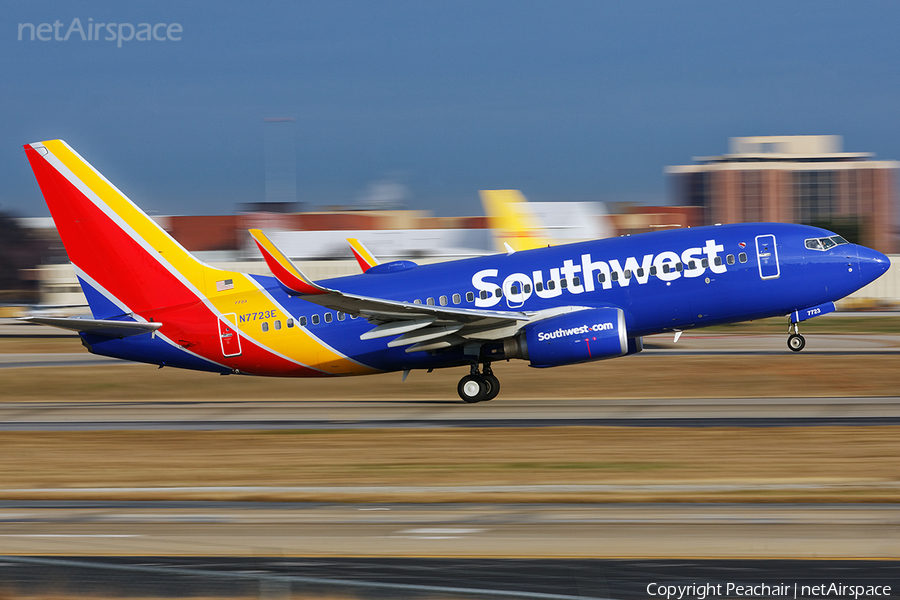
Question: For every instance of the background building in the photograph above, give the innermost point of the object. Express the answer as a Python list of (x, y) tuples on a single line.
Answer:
[(804, 179)]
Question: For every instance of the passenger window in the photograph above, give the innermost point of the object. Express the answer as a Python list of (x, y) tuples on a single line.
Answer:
[(429, 301), (470, 296), (563, 283), (290, 323), (653, 271), (601, 277), (704, 263), (498, 292), (718, 261), (352, 317), (514, 290), (666, 268), (692, 265), (527, 288), (302, 321), (576, 281), (328, 317), (341, 316), (679, 267), (265, 326), (627, 273), (640, 272), (551, 285), (417, 301), (539, 286), (315, 319), (483, 294), (443, 300), (615, 276), (457, 299), (742, 257), (730, 259), (277, 324)]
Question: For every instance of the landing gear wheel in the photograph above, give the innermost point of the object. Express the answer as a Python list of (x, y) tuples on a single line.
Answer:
[(796, 342), (493, 387), (473, 388)]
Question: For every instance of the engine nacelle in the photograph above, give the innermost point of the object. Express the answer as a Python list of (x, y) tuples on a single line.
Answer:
[(581, 336)]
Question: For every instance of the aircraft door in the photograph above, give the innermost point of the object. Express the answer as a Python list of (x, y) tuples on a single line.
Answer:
[(229, 338), (516, 290), (767, 253)]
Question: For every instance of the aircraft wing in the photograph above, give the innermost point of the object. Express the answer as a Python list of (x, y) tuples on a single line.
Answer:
[(420, 326), (103, 327)]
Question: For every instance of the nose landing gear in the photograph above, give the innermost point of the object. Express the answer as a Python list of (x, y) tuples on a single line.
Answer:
[(478, 387), (795, 341)]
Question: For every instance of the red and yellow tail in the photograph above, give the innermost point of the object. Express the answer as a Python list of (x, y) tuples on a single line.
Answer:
[(114, 245), (129, 267)]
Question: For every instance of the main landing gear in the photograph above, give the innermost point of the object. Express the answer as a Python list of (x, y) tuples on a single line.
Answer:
[(795, 341), (479, 387)]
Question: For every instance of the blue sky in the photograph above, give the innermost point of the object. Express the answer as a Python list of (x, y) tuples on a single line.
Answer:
[(564, 100)]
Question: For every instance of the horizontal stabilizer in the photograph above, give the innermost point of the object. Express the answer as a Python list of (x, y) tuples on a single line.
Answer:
[(104, 327), (289, 276)]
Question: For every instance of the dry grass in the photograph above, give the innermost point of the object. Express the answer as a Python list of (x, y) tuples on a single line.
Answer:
[(862, 458), (641, 376)]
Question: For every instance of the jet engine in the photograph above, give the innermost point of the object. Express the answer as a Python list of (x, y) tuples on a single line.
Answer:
[(575, 337)]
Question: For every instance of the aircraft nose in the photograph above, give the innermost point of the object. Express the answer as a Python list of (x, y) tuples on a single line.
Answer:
[(872, 264)]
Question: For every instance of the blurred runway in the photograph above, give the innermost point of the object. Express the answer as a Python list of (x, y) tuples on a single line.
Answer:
[(96, 528), (512, 412)]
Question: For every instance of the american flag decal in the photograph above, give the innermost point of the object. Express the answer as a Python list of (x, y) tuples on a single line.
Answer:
[(226, 284)]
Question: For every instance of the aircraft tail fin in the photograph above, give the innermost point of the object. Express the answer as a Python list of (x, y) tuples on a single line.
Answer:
[(513, 222), (125, 261)]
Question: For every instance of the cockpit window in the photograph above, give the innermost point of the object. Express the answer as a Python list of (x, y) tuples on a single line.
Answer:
[(823, 244)]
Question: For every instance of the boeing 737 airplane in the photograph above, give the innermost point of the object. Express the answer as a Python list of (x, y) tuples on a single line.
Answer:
[(153, 302)]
